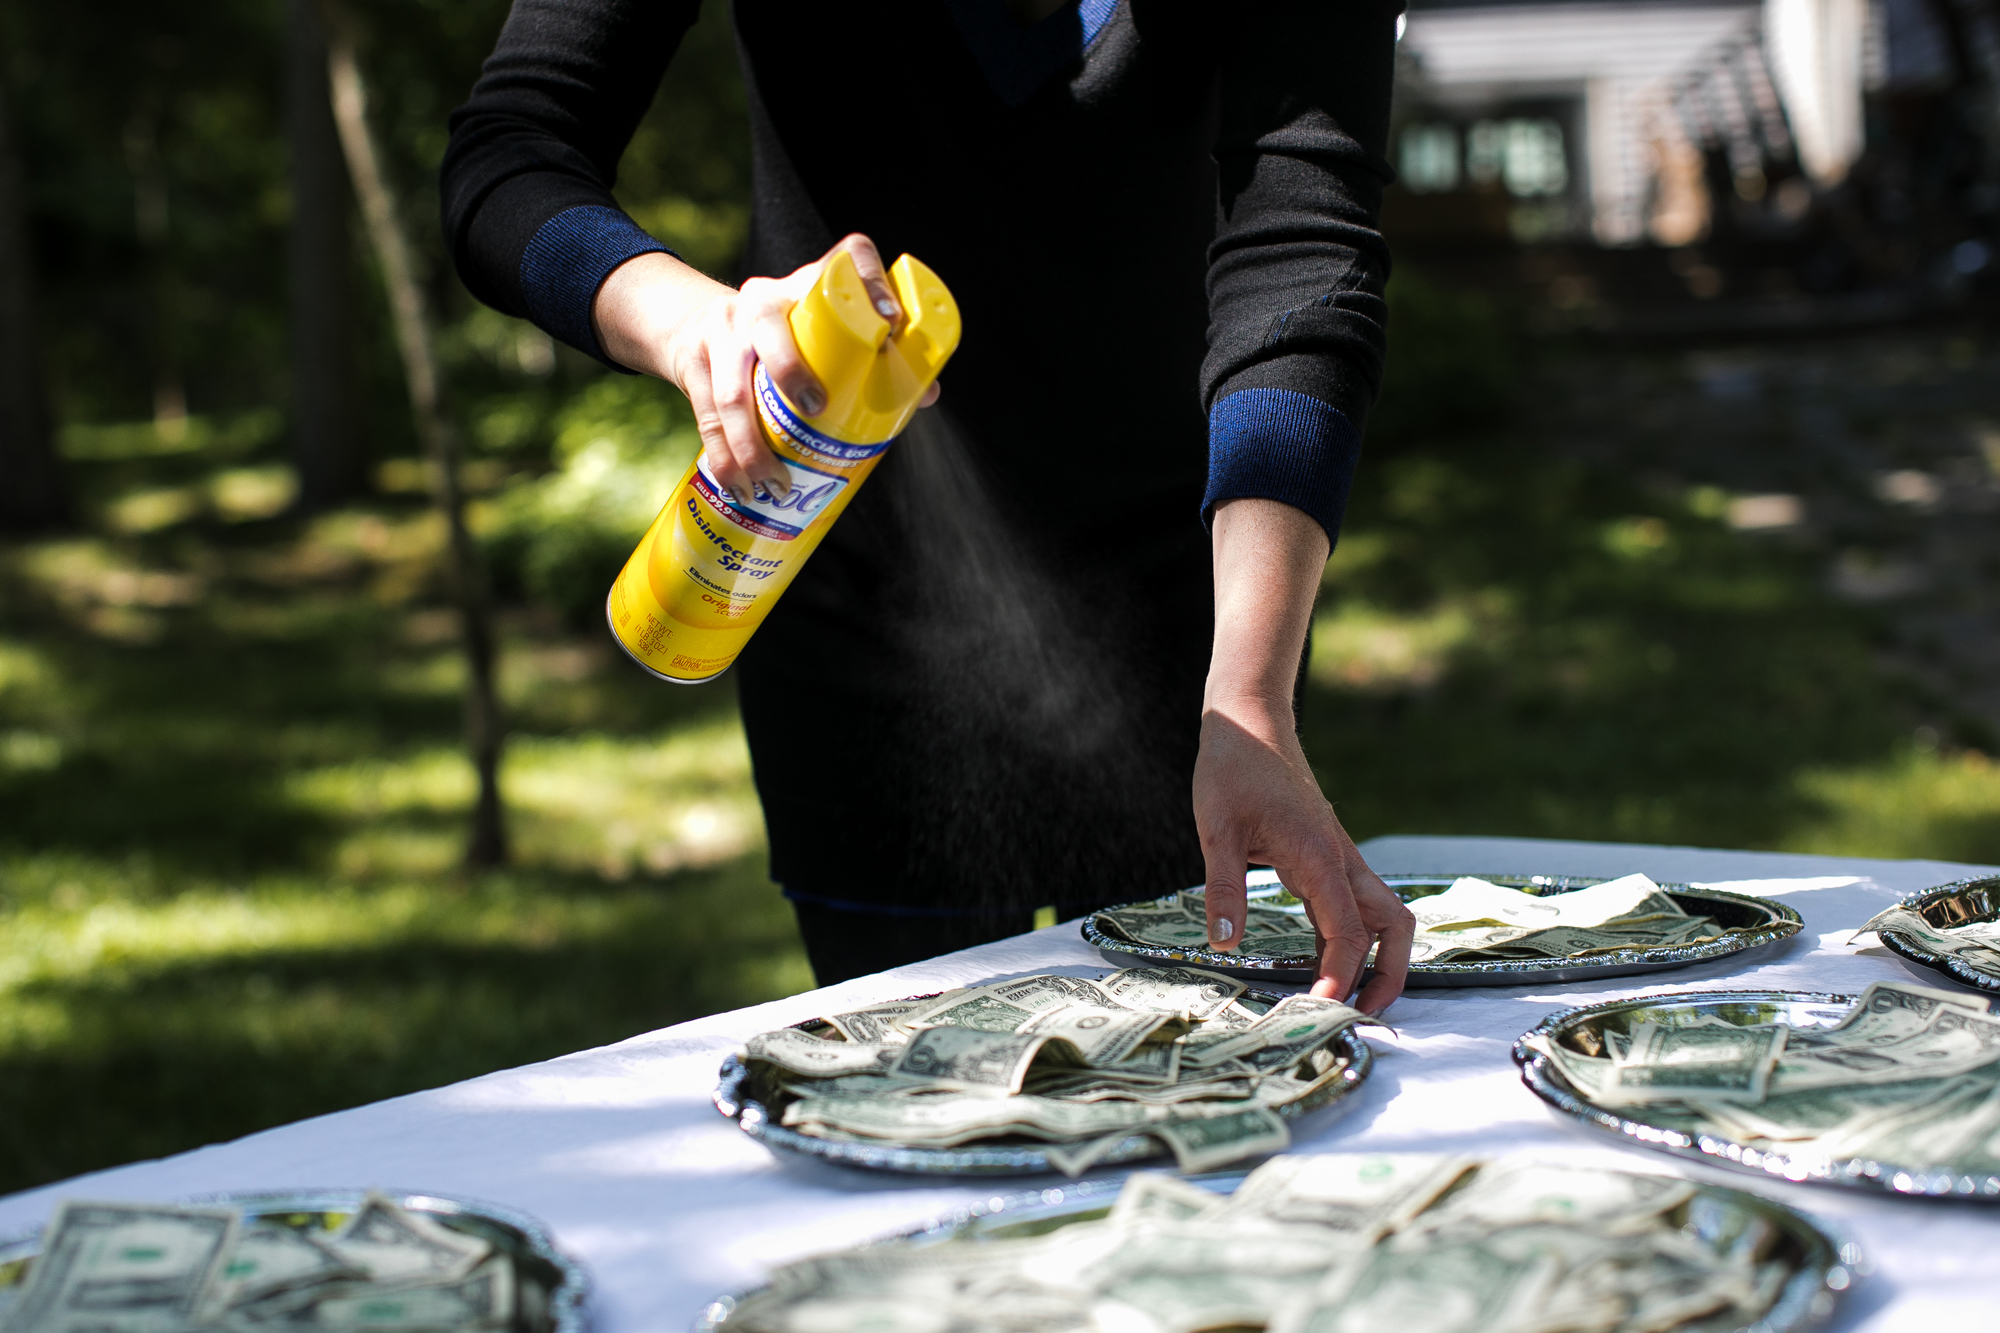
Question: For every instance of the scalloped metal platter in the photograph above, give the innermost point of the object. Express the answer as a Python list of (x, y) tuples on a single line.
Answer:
[(735, 1099), (1954, 904), (563, 1305), (1753, 923), (1796, 1008), (1823, 1268)]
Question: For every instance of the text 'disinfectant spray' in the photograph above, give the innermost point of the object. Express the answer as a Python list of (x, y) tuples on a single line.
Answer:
[(710, 568)]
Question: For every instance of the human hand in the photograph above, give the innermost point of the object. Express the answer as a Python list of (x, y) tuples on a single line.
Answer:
[(657, 315), (1255, 799)]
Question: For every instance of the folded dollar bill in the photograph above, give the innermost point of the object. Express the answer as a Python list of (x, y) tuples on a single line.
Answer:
[(1909, 1076), (142, 1268), (1474, 920), (1180, 1055), (1975, 943), (1343, 1243)]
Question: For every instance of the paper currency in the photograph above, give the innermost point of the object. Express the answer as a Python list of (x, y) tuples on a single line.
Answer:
[(1473, 920), (1710, 1060), (788, 1048), (1361, 1197), (1910, 1076), (1298, 1023), (135, 1268), (878, 1024), (1187, 990), (1330, 1244), (483, 1298), (1976, 943), (390, 1244), (1007, 1005), (124, 1268), (267, 1260), (1178, 1054)]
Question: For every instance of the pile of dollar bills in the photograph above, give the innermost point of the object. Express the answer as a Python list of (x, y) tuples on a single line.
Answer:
[(1323, 1244), (1976, 943), (1910, 1076), (1080, 1066), (138, 1268), (1473, 921)]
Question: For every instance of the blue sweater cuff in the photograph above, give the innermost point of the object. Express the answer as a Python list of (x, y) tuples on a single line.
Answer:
[(567, 260), (1274, 444)]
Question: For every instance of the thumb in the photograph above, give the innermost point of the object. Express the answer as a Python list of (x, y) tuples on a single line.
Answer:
[(1225, 860)]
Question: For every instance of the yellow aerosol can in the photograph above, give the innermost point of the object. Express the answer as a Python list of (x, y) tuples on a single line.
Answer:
[(711, 567)]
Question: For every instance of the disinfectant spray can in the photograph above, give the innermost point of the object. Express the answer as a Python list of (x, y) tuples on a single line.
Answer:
[(710, 568)]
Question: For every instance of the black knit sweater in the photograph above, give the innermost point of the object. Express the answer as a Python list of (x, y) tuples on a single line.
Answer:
[(1159, 221)]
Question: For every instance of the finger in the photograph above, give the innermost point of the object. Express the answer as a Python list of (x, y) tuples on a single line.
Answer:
[(771, 338), (1228, 904), (732, 363), (868, 263), (1322, 881), (1395, 927), (930, 394), (708, 422)]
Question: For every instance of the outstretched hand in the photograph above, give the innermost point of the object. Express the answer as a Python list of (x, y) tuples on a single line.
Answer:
[(659, 316), (1255, 797), (1256, 800)]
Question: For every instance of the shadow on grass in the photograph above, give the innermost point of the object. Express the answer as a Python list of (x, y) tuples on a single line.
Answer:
[(163, 1050), (1516, 644), (206, 738)]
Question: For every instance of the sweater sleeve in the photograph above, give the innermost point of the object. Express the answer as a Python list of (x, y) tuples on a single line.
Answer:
[(1297, 322), (526, 181)]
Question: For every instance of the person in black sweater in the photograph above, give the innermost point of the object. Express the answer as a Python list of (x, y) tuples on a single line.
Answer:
[(1085, 579)]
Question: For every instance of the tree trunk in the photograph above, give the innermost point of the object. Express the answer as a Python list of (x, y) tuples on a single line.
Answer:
[(32, 494), (416, 339), (329, 450)]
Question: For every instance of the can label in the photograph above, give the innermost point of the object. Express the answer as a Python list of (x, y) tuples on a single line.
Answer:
[(788, 427), (711, 566), (768, 515)]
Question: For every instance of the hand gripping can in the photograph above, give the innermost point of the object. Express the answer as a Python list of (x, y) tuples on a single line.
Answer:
[(710, 568)]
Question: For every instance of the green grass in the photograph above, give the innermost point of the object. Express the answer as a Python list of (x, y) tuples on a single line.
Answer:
[(234, 805), (232, 798), (1512, 643)]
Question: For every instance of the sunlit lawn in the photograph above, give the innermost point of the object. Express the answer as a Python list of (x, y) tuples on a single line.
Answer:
[(231, 812), (1510, 643), (232, 800)]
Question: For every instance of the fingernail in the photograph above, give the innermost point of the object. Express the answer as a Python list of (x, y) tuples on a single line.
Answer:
[(1224, 929), (885, 307), (777, 486), (812, 402)]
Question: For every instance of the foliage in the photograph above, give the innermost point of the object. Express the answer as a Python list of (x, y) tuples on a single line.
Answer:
[(236, 801), (1452, 364), (1513, 642), (621, 447)]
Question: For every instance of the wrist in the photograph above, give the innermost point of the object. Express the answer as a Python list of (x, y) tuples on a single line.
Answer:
[(645, 309), (1258, 713)]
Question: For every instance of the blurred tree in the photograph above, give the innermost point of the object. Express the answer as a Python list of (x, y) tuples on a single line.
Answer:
[(31, 489), (328, 447), (416, 338)]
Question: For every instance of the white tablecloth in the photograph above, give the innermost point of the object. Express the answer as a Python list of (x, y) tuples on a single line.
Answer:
[(621, 1153)]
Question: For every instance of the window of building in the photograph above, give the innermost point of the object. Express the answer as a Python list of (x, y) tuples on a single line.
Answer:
[(1429, 158), (1525, 156)]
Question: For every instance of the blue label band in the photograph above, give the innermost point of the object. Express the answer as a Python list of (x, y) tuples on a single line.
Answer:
[(782, 421)]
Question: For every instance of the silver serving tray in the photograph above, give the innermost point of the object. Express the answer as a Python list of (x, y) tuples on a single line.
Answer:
[(737, 1100), (1757, 923), (1952, 904), (563, 1303), (1823, 1268), (1797, 1008)]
